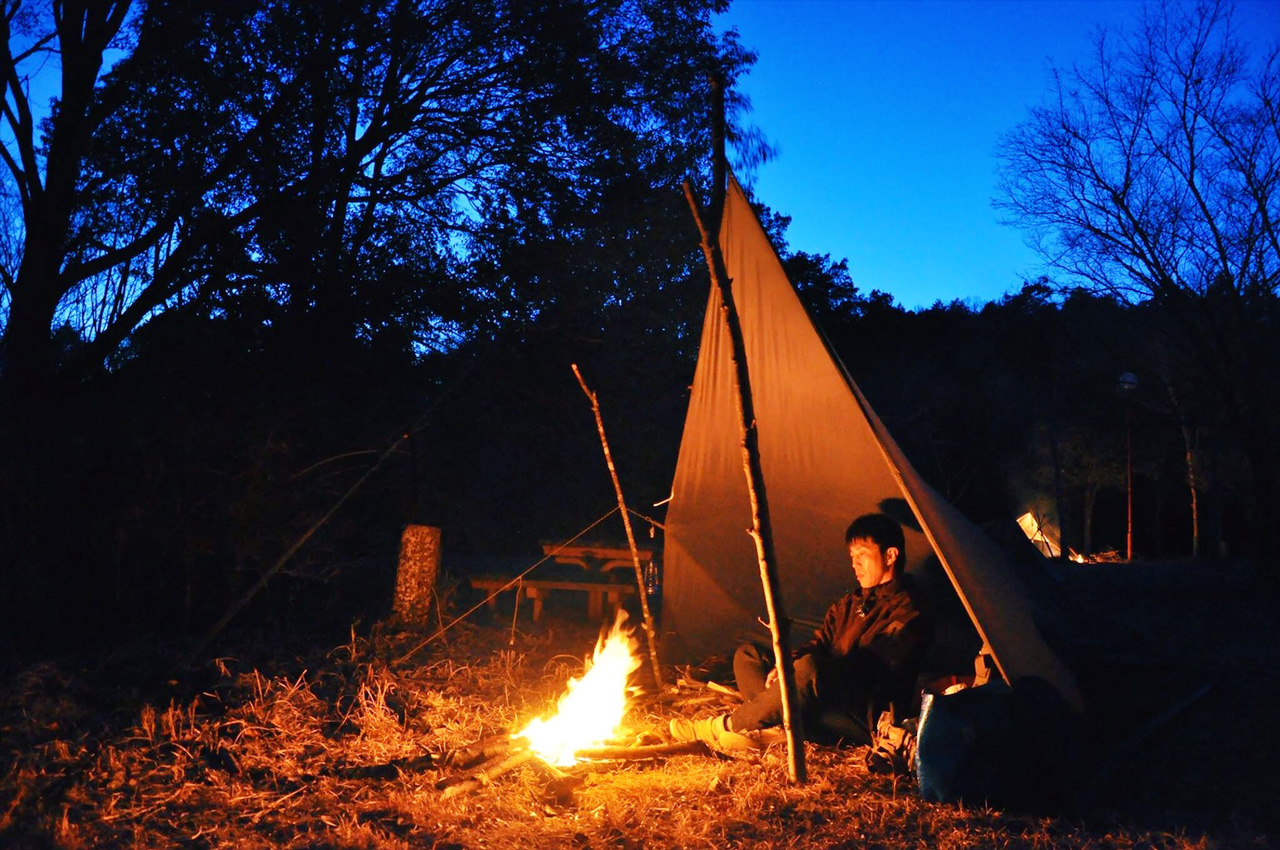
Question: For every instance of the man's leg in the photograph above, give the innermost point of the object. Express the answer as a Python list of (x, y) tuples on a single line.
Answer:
[(844, 712), (751, 665), (764, 708)]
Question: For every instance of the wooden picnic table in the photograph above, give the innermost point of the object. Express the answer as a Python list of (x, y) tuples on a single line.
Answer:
[(595, 559), (604, 557), (598, 592)]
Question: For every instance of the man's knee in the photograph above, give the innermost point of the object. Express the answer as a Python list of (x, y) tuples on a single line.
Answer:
[(753, 654), (805, 667), (805, 671)]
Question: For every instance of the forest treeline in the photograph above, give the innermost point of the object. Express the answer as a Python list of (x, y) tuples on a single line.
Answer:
[(283, 256)]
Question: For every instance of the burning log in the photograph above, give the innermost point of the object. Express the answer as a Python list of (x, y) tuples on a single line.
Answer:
[(592, 707), (483, 756), (644, 753), (485, 774), (480, 751), (586, 718)]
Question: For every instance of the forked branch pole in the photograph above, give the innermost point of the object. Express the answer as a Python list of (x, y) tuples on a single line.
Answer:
[(760, 531), (649, 630)]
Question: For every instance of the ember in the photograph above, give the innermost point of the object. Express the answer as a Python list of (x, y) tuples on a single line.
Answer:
[(591, 710)]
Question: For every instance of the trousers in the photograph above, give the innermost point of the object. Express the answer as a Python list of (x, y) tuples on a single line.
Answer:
[(824, 717)]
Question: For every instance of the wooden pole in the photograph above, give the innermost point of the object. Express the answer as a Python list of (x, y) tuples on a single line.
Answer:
[(1128, 473), (649, 630), (718, 160), (761, 532)]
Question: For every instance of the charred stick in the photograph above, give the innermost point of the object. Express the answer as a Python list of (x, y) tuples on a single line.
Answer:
[(387, 770)]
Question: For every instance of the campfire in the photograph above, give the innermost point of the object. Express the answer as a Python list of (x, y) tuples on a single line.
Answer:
[(591, 710), (587, 717)]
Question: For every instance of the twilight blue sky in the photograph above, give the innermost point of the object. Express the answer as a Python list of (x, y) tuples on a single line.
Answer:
[(886, 115)]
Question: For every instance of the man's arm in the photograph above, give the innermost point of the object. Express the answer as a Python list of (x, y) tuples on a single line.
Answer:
[(824, 635), (904, 644)]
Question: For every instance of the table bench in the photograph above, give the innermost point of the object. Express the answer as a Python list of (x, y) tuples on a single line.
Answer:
[(539, 589), (604, 556)]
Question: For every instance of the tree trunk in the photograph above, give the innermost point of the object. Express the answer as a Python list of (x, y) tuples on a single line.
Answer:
[(1188, 443), (83, 32), (1090, 496), (26, 352), (416, 575), (1065, 538)]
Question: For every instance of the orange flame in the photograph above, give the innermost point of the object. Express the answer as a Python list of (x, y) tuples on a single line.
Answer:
[(591, 710)]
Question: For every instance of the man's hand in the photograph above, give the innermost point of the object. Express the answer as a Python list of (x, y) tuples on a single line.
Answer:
[(771, 678)]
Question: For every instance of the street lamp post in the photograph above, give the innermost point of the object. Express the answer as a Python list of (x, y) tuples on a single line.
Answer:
[(1128, 383)]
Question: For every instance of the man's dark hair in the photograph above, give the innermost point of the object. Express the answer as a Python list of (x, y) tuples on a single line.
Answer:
[(881, 530)]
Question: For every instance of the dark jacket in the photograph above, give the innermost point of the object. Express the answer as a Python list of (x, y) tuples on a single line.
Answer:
[(870, 646)]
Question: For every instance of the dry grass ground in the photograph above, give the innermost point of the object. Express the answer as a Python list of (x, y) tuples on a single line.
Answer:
[(344, 749)]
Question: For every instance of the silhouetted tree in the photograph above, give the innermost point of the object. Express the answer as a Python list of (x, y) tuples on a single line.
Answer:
[(288, 227), (44, 164), (1152, 175), (307, 158)]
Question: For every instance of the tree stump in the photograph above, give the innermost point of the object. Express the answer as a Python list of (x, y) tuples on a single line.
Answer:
[(416, 575)]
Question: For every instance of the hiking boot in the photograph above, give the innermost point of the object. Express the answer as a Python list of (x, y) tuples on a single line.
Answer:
[(770, 735), (713, 731)]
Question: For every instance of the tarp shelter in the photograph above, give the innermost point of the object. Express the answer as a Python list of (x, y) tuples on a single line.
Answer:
[(826, 458), (1041, 531)]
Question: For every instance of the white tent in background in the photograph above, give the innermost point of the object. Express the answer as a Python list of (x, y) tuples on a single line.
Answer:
[(826, 458), (1041, 531)]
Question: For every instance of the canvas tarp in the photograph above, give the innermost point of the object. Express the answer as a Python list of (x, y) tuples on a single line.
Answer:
[(826, 458), (1041, 531)]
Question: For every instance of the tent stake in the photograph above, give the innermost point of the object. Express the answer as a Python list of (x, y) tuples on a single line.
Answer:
[(761, 531), (649, 630)]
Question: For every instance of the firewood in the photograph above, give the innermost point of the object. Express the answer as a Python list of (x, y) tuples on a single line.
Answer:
[(697, 701), (386, 770), (686, 682), (643, 753), (486, 774), (486, 748)]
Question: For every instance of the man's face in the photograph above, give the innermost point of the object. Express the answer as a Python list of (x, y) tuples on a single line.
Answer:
[(872, 566)]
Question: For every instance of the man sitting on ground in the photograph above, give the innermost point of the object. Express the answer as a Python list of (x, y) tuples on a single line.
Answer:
[(864, 658)]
